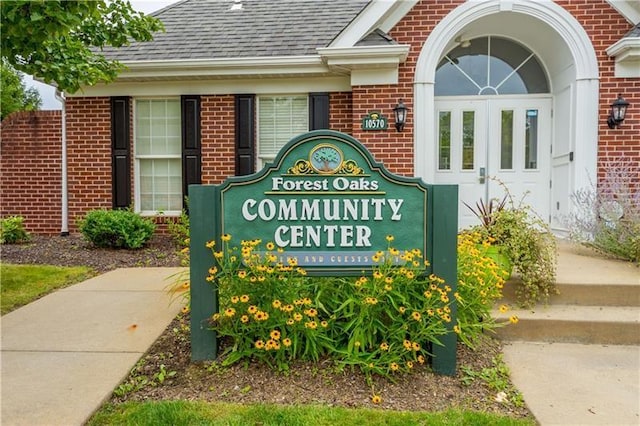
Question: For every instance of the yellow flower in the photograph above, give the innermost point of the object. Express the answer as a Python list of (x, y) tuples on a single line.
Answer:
[(384, 346), (388, 280), (513, 319), (376, 399), (427, 294), (211, 244), (210, 278), (270, 246), (185, 250), (226, 237), (186, 285), (242, 274), (394, 366), (377, 274), (275, 334), (286, 342), (297, 316), (389, 238), (311, 312), (410, 274), (244, 298), (244, 319), (324, 324), (287, 308), (235, 299), (394, 251), (259, 344), (387, 287), (290, 321), (416, 316), (456, 329), (420, 359), (292, 261), (215, 316), (276, 303), (218, 255), (252, 309), (415, 346), (402, 309), (229, 312), (409, 364), (375, 258), (311, 324), (185, 309), (306, 301), (407, 344)]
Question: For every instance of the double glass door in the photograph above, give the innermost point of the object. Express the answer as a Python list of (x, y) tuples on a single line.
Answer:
[(488, 144)]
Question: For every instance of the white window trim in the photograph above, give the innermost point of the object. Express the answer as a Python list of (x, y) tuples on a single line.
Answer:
[(136, 163)]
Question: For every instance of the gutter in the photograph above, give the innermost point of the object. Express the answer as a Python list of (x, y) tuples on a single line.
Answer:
[(64, 226)]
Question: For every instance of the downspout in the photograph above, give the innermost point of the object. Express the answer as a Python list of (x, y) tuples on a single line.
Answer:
[(64, 227)]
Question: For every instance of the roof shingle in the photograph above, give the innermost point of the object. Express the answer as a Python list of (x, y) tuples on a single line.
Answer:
[(212, 29)]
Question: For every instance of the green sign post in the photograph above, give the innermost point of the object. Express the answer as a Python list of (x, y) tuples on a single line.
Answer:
[(328, 204)]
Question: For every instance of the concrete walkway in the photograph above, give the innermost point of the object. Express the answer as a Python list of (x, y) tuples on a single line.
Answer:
[(63, 355)]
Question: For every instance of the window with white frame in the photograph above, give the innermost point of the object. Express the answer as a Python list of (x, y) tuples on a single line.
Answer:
[(280, 118), (158, 156)]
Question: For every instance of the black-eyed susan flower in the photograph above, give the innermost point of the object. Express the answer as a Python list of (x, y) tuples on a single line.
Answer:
[(226, 237), (324, 324), (276, 303), (252, 309), (384, 346), (235, 299), (415, 346), (229, 312), (297, 316), (376, 399), (286, 342), (275, 334), (259, 344), (407, 344), (311, 312), (290, 321), (244, 319), (394, 366), (244, 298), (185, 310), (242, 274), (514, 319), (409, 364), (456, 329), (270, 245), (416, 315), (389, 238), (311, 324), (210, 244), (421, 359), (503, 308)]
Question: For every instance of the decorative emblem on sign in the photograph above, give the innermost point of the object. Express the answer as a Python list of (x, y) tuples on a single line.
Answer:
[(375, 121), (325, 159)]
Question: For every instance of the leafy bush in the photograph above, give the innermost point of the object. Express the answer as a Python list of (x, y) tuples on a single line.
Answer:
[(383, 324), (528, 242), (607, 217), (12, 230), (116, 228)]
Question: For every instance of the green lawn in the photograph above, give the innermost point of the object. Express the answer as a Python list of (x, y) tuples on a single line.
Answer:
[(202, 413), (22, 284)]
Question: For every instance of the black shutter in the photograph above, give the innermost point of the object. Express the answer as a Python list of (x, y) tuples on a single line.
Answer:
[(245, 134), (318, 111), (120, 153), (191, 143)]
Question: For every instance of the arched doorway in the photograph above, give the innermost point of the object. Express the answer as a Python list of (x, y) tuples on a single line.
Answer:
[(493, 120), (564, 52)]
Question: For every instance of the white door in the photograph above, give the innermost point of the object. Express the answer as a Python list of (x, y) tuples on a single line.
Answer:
[(485, 144)]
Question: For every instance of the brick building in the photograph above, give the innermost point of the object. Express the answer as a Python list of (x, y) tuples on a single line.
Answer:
[(519, 90)]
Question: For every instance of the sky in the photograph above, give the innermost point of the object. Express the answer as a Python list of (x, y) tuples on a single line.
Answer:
[(47, 93)]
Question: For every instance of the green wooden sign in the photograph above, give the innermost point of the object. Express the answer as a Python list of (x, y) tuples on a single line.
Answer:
[(375, 121), (329, 205)]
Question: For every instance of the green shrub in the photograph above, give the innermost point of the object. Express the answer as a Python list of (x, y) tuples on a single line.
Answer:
[(116, 228), (12, 230)]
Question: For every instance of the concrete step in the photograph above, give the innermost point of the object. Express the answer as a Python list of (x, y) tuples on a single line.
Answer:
[(573, 324), (586, 294)]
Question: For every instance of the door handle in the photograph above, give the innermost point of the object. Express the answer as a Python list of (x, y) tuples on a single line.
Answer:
[(483, 174)]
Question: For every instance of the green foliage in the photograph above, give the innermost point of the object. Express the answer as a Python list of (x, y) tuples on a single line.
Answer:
[(497, 378), (12, 230), (15, 96), (116, 228), (480, 283), (607, 217), (220, 413), (383, 324), (528, 242), (179, 230), (22, 284), (61, 41), (138, 380)]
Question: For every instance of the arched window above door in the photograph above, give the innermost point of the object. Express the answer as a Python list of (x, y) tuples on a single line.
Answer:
[(490, 66)]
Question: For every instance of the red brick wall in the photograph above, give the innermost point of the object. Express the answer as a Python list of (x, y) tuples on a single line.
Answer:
[(340, 112), (30, 165), (88, 156), (218, 138)]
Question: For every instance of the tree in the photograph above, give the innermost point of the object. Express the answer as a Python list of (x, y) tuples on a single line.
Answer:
[(60, 41), (14, 95)]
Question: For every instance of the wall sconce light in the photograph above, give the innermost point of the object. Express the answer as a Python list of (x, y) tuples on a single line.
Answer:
[(400, 111), (618, 111)]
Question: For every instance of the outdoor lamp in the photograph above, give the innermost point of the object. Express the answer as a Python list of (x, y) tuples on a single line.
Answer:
[(618, 111), (400, 112)]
